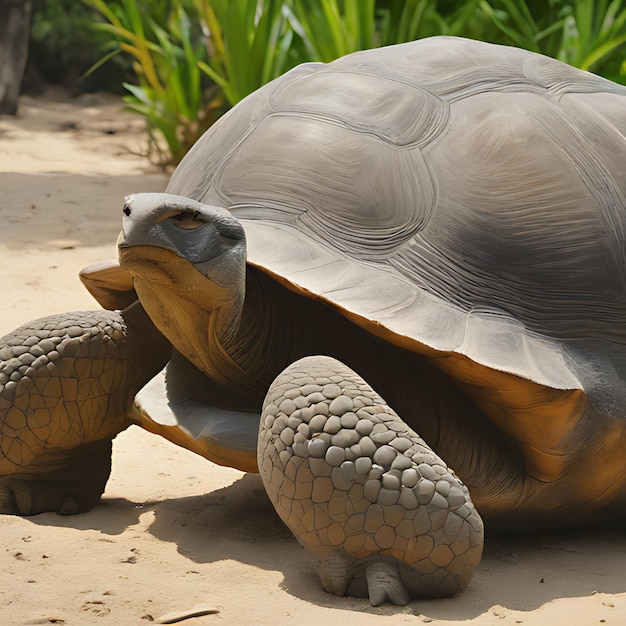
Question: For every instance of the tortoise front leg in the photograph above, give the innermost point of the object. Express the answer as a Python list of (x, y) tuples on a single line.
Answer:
[(67, 384), (363, 492)]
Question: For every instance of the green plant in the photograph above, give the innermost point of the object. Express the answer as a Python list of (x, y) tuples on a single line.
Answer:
[(172, 94), (589, 34), (195, 58), (593, 32), (332, 28), (406, 20), (250, 43)]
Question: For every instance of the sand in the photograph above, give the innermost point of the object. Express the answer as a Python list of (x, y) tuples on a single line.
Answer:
[(175, 532)]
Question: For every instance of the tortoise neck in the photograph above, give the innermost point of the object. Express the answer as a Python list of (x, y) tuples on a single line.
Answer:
[(267, 339), (241, 345), (199, 318), (147, 348)]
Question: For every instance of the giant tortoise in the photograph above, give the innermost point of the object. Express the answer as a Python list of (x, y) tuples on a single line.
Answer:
[(444, 219)]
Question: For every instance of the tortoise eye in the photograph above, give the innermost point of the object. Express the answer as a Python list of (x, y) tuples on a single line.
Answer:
[(188, 220)]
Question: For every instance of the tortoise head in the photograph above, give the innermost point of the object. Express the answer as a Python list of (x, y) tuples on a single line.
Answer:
[(188, 264)]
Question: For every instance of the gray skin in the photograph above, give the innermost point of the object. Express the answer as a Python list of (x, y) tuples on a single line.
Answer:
[(444, 220)]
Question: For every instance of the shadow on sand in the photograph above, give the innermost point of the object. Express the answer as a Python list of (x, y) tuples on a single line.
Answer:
[(520, 572)]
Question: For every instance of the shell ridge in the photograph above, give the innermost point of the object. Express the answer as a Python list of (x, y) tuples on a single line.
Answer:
[(434, 120)]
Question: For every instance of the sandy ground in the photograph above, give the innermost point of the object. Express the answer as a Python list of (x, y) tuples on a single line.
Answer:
[(175, 532)]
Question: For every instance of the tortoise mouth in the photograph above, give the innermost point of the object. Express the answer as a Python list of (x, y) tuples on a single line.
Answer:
[(151, 262)]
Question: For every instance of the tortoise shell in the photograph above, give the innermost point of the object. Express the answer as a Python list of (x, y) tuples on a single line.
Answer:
[(448, 195)]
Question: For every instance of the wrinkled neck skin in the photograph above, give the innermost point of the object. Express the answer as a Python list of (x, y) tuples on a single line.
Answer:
[(198, 307), (239, 346), (145, 346), (200, 317), (272, 333)]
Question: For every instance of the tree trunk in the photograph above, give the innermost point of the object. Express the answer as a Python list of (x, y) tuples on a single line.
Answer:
[(14, 35)]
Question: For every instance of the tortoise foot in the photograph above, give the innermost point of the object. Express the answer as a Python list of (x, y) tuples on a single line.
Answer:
[(362, 491), (66, 483), (377, 577)]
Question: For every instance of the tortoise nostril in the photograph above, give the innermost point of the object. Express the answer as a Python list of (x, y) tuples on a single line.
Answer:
[(126, 210)]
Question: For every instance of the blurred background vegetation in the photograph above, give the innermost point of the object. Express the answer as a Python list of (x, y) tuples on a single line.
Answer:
[(183, 63)]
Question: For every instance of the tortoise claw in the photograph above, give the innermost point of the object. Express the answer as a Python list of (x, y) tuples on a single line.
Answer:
[(339, 576), (69, 506), (23, 502), (383, 583), (336, 572)]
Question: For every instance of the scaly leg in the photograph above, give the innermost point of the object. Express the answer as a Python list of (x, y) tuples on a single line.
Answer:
[(67, 384), (361, 491)]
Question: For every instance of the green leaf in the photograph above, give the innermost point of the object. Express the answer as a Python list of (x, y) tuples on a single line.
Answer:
[(601, 51)]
